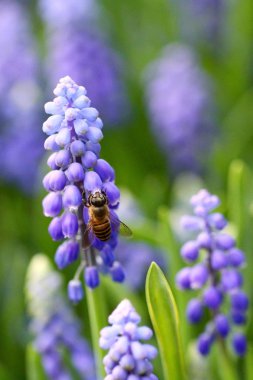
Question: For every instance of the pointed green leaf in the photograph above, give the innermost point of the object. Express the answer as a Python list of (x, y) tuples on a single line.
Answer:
[(98, 319), (164, 316)]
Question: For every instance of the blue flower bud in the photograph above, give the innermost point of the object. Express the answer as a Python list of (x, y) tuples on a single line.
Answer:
[(112, 192), (72, 114), (69, 224), (63, 137), (236, 257), (66, 253), (94, 134), (190, 251), (119, 373), (90, 114), (56, 180), (51, 161), (204, 240), (183, 278), (231, 279), (77, 148), (239, 301), (89, 159), (127, 362), (224, 241), (75, 172), (107, 256), (52, 204), (50, 143), (217, 221), (239, 344), (82, 102), (52, 108), (91, 277), (194, 310), (219, 260), (117, 272), (212, 297), (238, 317), (198, 276), (98, 123), (104, 170), (93, 147), (75, 291), (62, 158), (81, 127), (71, 197), (52, 124), (204, 344), (222, 325), (191, 223), (92, 181), (55, 229)]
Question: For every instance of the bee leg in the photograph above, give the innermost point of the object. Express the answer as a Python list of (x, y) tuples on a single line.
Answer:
[(85, 201)]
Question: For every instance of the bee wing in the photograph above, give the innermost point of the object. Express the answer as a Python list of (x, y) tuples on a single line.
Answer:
[(122, 228), (89, 236)]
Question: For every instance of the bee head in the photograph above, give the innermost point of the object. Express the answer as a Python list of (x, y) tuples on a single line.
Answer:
[(98, 199)]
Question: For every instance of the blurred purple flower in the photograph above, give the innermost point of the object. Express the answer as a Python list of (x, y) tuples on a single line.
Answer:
[(216, 273), (76, 48), (54, 326), (178, 99), (20, 136), (136, 258)]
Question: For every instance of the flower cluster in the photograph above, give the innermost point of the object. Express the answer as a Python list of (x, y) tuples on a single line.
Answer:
[(53, 324), (127, 358), (18, 135), (76, 47), (74, 131), (178, 100), (217, 274)]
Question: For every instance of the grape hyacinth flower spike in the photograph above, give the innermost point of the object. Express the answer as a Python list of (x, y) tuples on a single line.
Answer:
[(216, 275), (127, 358), (78, 174), (55, 329)]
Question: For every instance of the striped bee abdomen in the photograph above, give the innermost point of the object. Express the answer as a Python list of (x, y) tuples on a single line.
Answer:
[(102, 230)]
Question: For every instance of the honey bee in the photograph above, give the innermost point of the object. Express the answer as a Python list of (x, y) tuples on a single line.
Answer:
[(101, 219)]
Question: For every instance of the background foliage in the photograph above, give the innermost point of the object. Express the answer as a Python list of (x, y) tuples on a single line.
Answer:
[(138, 30)]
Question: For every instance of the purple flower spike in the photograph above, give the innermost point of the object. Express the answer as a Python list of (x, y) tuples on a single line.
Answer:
[(78, 174), (183, 132), (127, 358), (215, 275), (55, 329)]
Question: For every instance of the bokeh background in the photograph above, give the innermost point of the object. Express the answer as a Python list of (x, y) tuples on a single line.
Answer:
[(172, 81)]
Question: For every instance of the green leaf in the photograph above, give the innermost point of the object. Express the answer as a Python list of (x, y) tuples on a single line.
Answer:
[(239, 211), (164, 316), (238, 132), (98, 319), (34, 369)]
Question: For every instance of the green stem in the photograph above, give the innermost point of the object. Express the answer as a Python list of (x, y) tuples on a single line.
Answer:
[(98, 320), (226, 365)]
